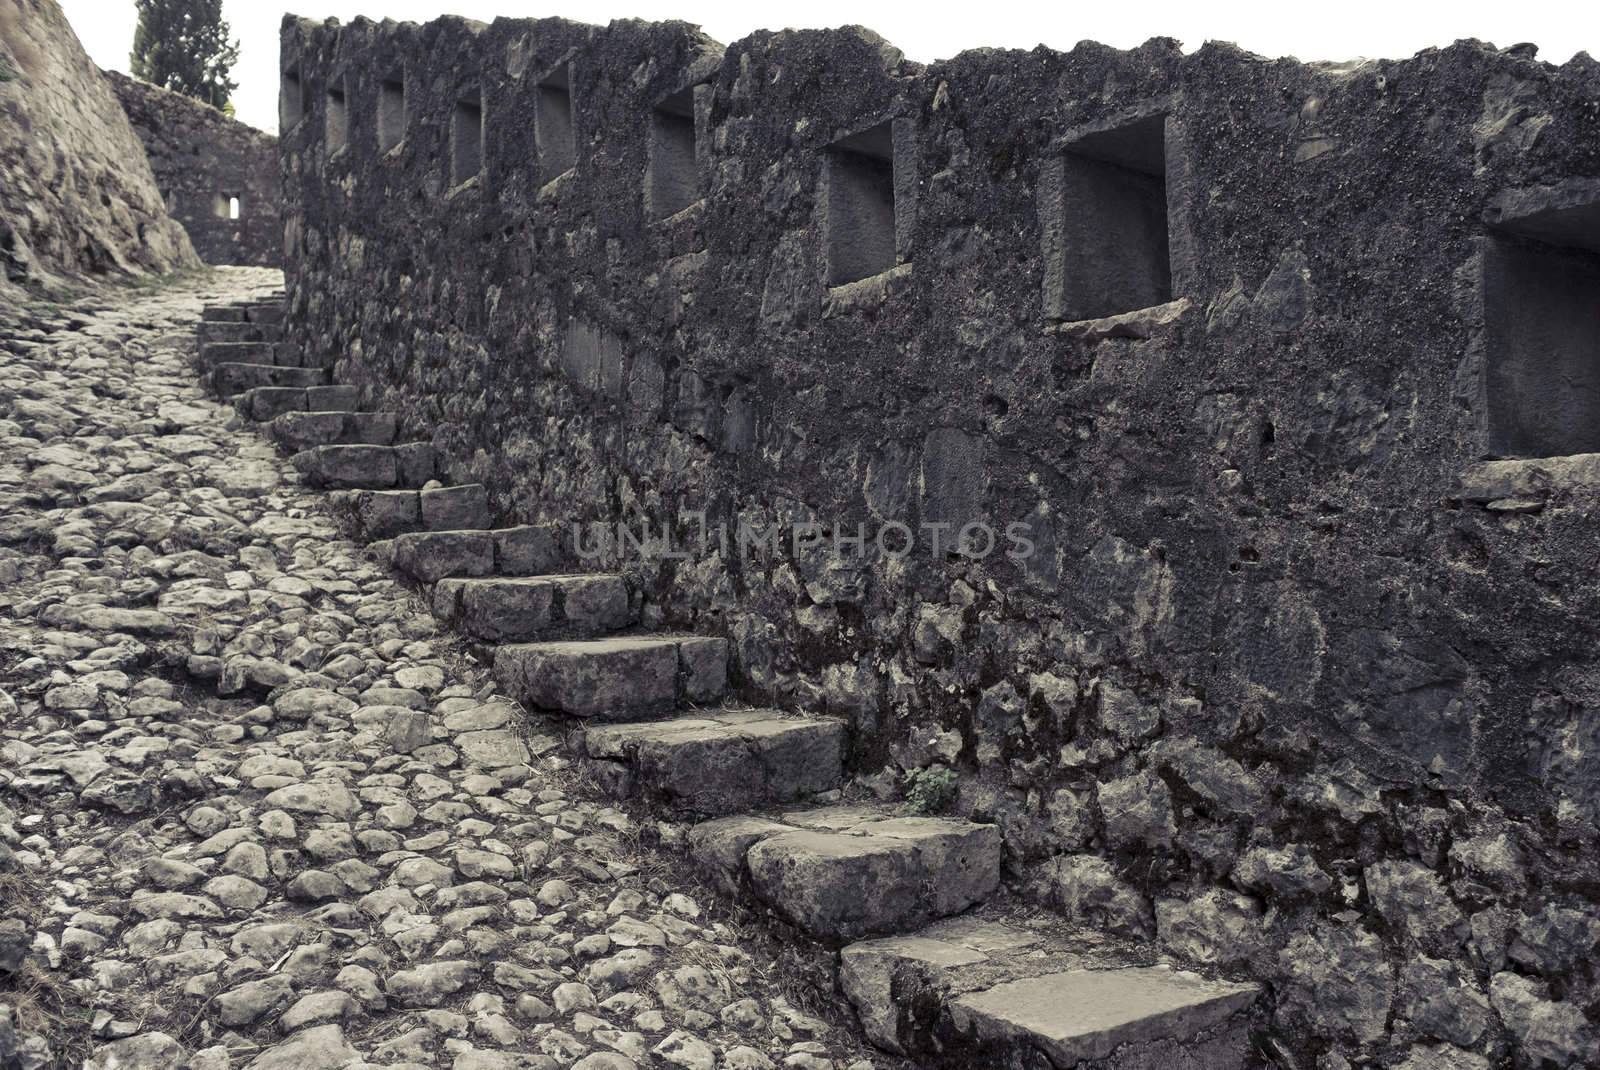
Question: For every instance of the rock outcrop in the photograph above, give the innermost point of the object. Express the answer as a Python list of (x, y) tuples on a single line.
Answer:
[(77, 197)]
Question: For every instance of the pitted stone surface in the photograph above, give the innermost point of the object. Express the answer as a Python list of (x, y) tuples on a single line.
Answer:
[(242, 769)]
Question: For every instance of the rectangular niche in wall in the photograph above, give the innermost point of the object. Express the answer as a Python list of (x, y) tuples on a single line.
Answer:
[(674, 180), (336, 119), (391, 111), (554, 126), (291, 98), (1103, 206), (1541, 307), (859, 220), (466, 139)]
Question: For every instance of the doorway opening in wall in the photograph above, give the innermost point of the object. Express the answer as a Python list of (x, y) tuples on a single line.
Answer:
[(674, 181), (233, 208), (336, 117), (225, 206), (555, 124), (1541, 308), (466, 139), (391, 111), (291, 98), (1105, 212), (859, 221)]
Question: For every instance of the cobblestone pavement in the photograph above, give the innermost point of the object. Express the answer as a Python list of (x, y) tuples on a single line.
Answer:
[(256, 811)]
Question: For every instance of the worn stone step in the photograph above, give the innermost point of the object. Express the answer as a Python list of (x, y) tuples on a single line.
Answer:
[(994, 992), (213, 331), (501, 609), (228, 380), (375, 467), (383, 514), (717, 762), (430, 556), (265, 403), (304, 430), (618, 679), (844, 872), (265, 312), (278, 354), (229, 313)]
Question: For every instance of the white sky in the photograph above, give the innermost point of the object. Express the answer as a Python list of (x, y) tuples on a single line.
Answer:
[(925, 31)]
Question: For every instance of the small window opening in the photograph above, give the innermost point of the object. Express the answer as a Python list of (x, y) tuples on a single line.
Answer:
[(466, 139), (860, 216), (554, 124), (1109, 218), (674, 181), (291, 99), (391, 111), (1541, 306), (336, 119)]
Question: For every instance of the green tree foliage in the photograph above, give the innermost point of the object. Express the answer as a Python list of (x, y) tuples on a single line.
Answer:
[(183, 45)]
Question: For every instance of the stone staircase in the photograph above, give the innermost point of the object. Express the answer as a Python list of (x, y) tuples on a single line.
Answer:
[(937, 966)]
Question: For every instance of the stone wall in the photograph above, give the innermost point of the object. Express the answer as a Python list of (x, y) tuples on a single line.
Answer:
[(1292, 681), (76, 194), (219, 176)]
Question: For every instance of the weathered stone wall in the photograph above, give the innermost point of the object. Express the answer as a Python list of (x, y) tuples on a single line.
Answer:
[(76, 194), (1276, 687), (219, 176)]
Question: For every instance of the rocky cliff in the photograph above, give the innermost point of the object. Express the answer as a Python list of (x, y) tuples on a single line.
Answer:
[(77, 197)]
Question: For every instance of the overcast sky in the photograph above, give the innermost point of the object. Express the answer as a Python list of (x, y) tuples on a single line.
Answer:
[(926, 31)]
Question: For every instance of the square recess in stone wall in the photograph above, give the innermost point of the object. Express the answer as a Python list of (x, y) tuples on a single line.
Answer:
[(673, 182), (336, 117), (869, 200), (1541, 310), (291, 98), (466, 139), (1103, 206), (555, 124), (391, 110)]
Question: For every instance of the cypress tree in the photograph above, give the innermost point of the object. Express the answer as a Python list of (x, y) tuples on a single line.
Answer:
[(183, 45)]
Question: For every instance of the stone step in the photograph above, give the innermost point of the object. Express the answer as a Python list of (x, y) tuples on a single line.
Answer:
[(994, 993), (244, 312), (501, 609), (278, 354), (373, 467), (383, 514), (265, 312), (716, 762), (230, 380), (430, 556), (297, 431), (619, 679), (268, 402), (213, 331), (844, 872)]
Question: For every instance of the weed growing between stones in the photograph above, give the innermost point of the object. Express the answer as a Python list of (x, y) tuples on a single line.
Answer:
[(931, 790)]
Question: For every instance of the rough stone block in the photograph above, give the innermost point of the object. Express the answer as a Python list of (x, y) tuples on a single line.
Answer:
[(304, 430), (380, 514), (843, 873), (528, 550), (724, 761), (228, 380), (430, 556), (333, 398), (269, 402), (460, 508), (603, 679), (1173, 1018), (414, 464), (373, 467)]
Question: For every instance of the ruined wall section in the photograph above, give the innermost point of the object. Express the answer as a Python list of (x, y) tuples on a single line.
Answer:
[(77, 198), (218, 176), (1289, 683)]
